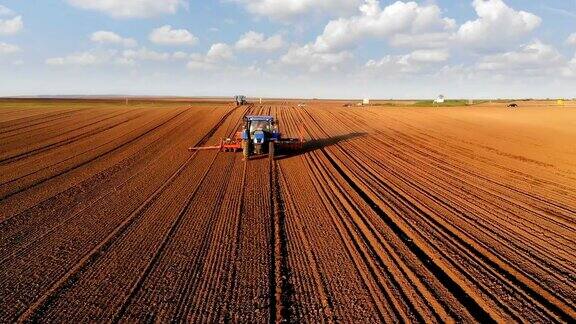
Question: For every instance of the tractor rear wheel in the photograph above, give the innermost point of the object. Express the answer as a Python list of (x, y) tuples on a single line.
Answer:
[(271, 149), (245, 149)]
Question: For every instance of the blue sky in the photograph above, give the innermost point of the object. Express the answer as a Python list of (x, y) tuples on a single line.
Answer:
[(289, 48)]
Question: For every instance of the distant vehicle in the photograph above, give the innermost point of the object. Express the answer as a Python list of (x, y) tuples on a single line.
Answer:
[(513, 105), (240, 100)]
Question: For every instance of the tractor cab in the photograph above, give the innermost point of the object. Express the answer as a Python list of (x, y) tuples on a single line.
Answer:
[(259, 134)]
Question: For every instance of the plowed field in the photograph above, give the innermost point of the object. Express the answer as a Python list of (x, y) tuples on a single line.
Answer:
[(388, 214)]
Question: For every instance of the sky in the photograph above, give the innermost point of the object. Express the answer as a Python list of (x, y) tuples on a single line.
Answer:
[(289, 48)]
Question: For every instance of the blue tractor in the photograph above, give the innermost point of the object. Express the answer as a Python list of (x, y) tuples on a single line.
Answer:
[(259, 134)]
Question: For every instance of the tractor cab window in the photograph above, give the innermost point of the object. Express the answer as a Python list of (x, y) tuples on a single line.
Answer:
[(259, 125)]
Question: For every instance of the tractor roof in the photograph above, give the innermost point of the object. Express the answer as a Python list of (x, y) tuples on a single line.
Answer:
[(260, 118)]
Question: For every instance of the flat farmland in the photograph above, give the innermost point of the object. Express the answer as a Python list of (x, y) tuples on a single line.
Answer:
[(388, 214)]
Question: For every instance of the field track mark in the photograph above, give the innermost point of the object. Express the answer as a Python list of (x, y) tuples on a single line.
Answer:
[(395, 281), (71, 275), (210, 291), (35, 183), (479, 227), (539, 295), (474, 304), (92, 202), (36, 151), (282, 288), (165, 240), (327, 307), (497, 186), (58, 115), (231, 279), (402, 288), (377, 160), (38, 129)]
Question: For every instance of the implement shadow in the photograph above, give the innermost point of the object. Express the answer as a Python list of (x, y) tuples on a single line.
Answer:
[(317, 144)]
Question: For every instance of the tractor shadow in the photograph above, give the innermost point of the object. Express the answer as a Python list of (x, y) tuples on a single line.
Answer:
[(318, 144)]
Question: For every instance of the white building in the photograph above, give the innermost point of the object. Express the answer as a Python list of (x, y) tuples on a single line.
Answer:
[(440, 99)]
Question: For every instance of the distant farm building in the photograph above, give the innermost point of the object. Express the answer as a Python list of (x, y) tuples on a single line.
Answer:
[(440, 99), (366, 101)]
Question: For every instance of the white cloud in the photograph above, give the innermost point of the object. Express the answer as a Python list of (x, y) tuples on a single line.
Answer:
[(403, 23), (571, 40), (165, 35), (199, 66), (220, 52), (570, 70), (144, 54), (11, 26), (6, 48), (530, 57), (496, 24), (214, 58), (409, 63), (308, 57), (180, 55), (128, 57), (4, 11), (429, 56), (81, 59), (108, 37), (253, 41), (287, 9), (131, 8)]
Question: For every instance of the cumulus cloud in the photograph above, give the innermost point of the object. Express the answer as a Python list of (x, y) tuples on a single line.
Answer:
[(287, 9), (409, 63), (199, 65), (131, 8), (219, 52), (429, 56), (144, 54), (127, 57), (253, 41), (571, 40), (496, 23), (165, 35), (530, 57), (6, 48), (180, 55), (88, 58), (308, 57), (11, 26), (5, 11), (108, 37), (403, 23), (216, 55), (572, 66)]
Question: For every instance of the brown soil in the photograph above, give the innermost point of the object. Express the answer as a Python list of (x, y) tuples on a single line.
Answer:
[(387, 214)]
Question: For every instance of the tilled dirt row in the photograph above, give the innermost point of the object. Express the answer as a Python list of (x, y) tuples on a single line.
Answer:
[(386, 215)]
